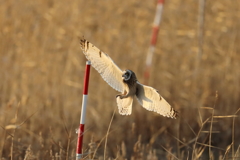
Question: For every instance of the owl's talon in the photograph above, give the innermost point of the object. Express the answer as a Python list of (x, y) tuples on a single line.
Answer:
[(120, 96)]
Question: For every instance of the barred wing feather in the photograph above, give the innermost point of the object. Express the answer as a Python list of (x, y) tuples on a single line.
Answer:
[(109, 71), (151, 100)]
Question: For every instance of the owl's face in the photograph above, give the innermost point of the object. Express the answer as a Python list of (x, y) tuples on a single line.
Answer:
[(129, 75), (126, 75)]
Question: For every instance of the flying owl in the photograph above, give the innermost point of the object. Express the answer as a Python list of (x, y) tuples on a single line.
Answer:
[(126, 82)]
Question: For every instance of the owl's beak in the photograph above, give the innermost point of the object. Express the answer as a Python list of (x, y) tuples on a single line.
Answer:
[(123, 76)]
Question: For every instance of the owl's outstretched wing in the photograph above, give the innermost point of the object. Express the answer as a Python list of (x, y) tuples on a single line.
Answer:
[(151, 100), (109, 71), (125, 105)]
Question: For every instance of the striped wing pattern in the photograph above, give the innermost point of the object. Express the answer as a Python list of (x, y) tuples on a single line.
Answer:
[(151, 100), (109, 71)]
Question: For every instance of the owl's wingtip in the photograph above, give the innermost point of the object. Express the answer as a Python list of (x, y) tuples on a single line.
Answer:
[(82, 41), (175, 114)]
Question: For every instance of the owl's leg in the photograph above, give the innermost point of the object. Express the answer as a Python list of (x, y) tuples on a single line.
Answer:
[(121, 96), (124, 95)]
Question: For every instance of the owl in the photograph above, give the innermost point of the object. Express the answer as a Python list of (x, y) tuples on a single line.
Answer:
[(126, 82)]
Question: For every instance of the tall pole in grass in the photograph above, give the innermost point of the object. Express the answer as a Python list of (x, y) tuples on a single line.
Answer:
[(155, 30), (79, 153)]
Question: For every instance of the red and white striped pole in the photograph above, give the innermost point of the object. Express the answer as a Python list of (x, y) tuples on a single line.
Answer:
[(155, 29), (79, 153)]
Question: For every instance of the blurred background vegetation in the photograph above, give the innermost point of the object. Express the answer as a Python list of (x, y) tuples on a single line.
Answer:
[(42, 69)]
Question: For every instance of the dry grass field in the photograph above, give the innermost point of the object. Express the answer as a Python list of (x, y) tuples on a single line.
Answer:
[(42, 69)]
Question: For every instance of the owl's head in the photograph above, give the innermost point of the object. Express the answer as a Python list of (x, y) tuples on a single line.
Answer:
[(129, 75)]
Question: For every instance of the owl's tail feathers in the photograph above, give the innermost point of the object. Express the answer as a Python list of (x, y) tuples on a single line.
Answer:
[(124, 105)]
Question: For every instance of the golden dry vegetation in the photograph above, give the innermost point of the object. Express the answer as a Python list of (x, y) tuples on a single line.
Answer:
[(42, 69)]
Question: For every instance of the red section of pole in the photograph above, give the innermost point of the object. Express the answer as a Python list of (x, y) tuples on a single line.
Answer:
[(86, 79), (154, 35), (155, 30), (80, 139), (160, 1), (83, 112)]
